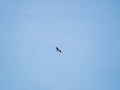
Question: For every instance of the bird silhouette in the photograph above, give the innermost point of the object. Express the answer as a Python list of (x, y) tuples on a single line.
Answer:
[(57, 49)]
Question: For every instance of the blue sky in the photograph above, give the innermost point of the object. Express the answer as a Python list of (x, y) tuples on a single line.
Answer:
[(87, 31)]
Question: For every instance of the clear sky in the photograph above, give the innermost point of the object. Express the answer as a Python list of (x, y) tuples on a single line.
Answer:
[(87, 32)]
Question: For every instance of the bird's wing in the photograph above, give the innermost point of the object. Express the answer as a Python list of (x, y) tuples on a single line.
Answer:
[(59, 50)]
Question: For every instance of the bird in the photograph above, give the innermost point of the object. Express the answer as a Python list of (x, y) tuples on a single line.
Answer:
[(57, 49)]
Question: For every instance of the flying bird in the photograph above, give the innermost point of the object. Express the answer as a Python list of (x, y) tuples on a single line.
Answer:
[(57, 49)]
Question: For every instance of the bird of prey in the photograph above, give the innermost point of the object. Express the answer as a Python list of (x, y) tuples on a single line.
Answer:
[(57, 49)]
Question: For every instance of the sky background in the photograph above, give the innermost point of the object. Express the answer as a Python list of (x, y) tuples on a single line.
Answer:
[(87, 32)]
